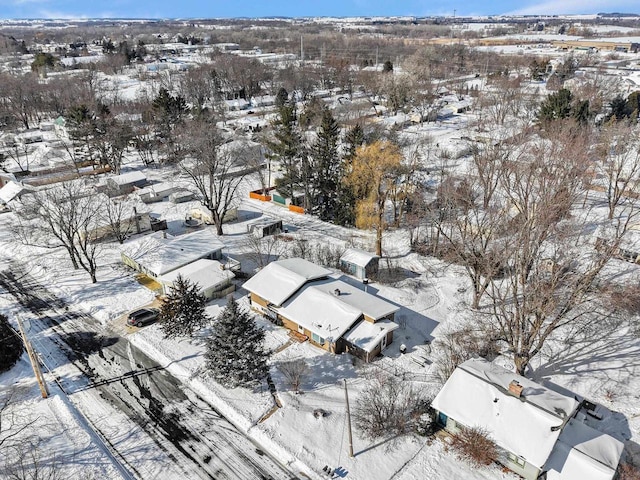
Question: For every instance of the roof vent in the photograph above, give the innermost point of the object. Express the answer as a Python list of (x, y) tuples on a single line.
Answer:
[(336, 292), (515, 388)]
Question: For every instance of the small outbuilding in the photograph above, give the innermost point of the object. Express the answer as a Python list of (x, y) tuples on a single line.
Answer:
[(265, 227), (126, 183), (359, 263), (156, 192)]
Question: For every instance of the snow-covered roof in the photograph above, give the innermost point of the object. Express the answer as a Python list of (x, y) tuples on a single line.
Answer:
[(357, 257), (206, 273), (157, 190), (279, 280), (329, 308), (367, 335), (372, 306), (316, 308), (477, 395), (160, 256), (128, 178), (583, 452), (10, 191)]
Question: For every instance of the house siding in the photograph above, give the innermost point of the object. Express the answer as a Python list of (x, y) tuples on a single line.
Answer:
[(528, 471)]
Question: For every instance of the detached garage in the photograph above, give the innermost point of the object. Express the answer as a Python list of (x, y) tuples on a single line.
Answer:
[(213, 279)]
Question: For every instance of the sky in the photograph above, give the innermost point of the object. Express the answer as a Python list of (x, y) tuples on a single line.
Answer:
[(300, 8)]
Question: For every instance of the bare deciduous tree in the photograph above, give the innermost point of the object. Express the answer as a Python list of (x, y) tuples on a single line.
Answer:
[(294, 372), (387, 406), (63, 216), (215, 170), (618, 161)]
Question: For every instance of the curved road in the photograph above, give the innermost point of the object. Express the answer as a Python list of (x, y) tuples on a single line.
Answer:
[(154, 424)]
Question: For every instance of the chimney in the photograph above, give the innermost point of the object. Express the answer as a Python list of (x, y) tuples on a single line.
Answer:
[(515, 388), (336, 292)]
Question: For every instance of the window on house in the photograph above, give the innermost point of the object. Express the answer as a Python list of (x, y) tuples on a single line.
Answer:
[(517, 460), (317, 338)]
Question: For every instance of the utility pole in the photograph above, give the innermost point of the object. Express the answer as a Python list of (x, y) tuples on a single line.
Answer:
[(346, 396), (34, 360)]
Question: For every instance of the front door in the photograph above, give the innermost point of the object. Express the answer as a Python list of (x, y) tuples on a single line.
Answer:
[(301, 329)]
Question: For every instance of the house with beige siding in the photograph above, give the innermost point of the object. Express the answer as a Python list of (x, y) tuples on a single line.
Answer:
[(320, 307)]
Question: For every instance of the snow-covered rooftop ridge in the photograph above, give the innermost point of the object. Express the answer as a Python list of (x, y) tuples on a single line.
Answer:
[(544, 398), (10, 191), (279, 280), (329, 307), (206, 273), (371, 305), (317, 310), (477, 395), (160, 256), (357, 256), (129, 177), (367, 335), (583, 452)]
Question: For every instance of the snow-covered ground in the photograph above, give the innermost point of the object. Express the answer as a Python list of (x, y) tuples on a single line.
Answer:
[(433, 297)]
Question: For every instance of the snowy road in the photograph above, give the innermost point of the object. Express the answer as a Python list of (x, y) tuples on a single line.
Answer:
[(155, 425)]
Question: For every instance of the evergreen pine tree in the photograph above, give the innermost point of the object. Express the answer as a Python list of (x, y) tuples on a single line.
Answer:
[(235, 354), (281, 97), (183, 312), (286, 148), (10, 345), (618, 108), (345, 212), (326, 168), (556, 106)]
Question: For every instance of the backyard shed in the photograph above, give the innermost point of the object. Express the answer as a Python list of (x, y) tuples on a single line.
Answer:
[(359, 263), (265, 227)]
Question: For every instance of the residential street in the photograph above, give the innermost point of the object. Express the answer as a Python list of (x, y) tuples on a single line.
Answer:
[(154, 424)]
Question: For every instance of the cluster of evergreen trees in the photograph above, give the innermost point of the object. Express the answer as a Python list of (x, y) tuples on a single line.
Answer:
[(235, 355), (317, 169)]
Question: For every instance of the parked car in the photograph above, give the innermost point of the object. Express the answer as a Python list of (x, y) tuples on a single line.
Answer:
[(143, 316)]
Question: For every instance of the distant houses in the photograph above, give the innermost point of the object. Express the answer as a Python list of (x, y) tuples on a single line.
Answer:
[(325, 310)]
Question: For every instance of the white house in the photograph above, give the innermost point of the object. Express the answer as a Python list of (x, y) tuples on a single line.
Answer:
[(211, 276), (537, 430)]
